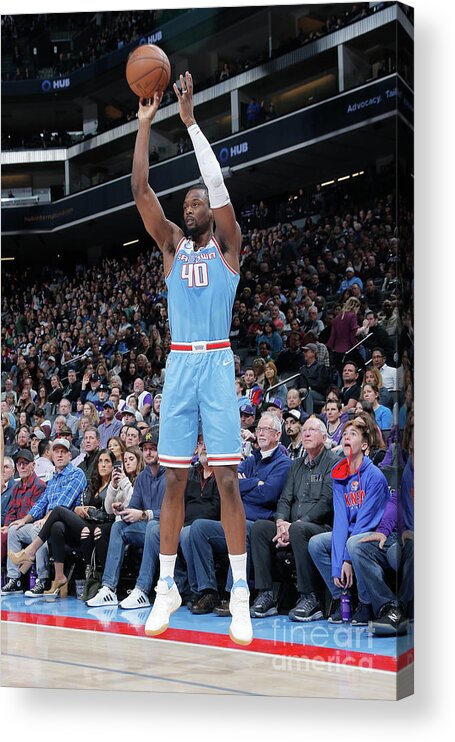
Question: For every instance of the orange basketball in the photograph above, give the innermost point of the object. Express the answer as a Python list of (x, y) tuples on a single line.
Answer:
[(148, 70)]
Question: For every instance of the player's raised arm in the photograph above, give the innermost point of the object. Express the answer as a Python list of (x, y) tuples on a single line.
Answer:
[(164, 232), (227, 229)]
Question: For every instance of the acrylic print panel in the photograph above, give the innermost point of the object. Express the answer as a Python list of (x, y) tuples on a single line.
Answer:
[(310, 118)]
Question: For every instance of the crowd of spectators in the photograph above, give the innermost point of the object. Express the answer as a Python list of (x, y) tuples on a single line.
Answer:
[(83, 367)]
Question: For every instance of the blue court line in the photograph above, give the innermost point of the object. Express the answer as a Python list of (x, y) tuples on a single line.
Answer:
[(132, 674)]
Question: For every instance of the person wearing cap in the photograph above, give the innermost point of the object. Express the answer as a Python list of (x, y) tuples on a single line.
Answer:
[(66, 432), (24, 494), (89, 387), (65, 411), (128, 415), (103, 396), (349, 280), (247, 420), (138, 522), (314, 377), (304, 508), (110, 427), (64, 489), (36, 436), (293, 427), (44, 468)]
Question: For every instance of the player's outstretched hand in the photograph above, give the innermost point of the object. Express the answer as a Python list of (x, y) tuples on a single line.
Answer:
[(149, 106), (185, 98)]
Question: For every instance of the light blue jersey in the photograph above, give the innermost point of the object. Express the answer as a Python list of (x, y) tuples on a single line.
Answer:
[(200, 380), (202, 290)]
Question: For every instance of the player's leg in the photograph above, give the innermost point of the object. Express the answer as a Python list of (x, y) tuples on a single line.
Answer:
[(177, 442), (221, 427)]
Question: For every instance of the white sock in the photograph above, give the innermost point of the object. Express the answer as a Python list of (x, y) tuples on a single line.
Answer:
[(238, 566), (167, 565)]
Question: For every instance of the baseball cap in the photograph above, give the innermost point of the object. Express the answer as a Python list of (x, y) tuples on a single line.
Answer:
[(127, 410), (108, 403), (350, 269), (26, 454), (37, 433), (274, 402), (103, 387), (149, 437), (51, 358), (247, 409), (292, 413), (62, 442), (311, 346), (66, 430), (94, 377)]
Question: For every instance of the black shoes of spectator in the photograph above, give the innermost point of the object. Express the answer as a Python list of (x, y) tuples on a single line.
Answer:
[(362, 615), (206, 604), (390, 622), (264, 605), (335, 612), (222, 609), (307, 609), (12, 587)]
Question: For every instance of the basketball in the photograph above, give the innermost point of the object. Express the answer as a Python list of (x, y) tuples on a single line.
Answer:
[(148, 70)]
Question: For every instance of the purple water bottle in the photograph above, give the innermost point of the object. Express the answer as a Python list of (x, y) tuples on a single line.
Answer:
[(32, 578), (345, 606)]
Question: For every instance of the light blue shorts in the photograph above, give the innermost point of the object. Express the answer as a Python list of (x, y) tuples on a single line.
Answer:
[(199, 385)]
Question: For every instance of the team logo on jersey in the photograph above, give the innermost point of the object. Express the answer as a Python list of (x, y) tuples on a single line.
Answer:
[(354, 485)]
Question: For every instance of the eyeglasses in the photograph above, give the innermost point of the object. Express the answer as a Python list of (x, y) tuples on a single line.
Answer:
[(266, 430)]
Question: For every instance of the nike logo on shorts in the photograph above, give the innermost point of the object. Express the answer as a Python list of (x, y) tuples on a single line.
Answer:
[(227, 362)]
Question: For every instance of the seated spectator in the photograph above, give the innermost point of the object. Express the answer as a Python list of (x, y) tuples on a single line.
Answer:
[(270, 335), (373, 376), (8, 434), (313, 377), (261, 479), (25, 404), (271, 379), (120, 490), (291, 358), (253, 390), (86, 525), (136, 522), (294, 402), (22, 441), (8, 483), (388, 373), (90, 410), (334, 423), (117, 447), (143, 397), (384, 419), (378, 336), (44, 467), (64, 489), (87, 457), (55, 394), (303, 510), (66, 432), (360, 495), (72, 391), (247, 425), (350, 391), (110, 427), (293, 428), (240, 390)]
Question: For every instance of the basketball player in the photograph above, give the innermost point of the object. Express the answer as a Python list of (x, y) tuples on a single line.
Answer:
[(202, 273)]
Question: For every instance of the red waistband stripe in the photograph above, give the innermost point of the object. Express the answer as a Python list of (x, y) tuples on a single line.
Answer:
[(200, 346)]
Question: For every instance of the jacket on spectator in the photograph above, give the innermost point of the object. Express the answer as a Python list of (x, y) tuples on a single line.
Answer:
[(259, 500), (148, 491), (308, 492)]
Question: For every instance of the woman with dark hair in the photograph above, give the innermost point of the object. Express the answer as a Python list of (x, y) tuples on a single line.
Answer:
[(25, 404), (117, 447), (56, 394), (270, 379), (270, 336), (42, 400), (87, 524), (384, 418)]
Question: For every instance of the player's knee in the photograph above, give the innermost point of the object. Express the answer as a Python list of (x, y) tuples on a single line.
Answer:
[(175, 481)]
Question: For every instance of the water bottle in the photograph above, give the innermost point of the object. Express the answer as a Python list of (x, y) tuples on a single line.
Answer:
[(345, 605), (32, 578)]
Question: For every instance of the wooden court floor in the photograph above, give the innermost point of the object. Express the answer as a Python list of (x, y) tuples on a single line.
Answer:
[(35, 656)]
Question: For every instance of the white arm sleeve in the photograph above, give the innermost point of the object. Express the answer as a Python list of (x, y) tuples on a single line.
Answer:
[(210, 168)]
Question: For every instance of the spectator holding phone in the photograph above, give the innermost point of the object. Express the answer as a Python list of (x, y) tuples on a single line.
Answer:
[(124, 473)]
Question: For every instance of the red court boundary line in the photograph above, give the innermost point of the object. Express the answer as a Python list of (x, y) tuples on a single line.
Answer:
[(341, 657)]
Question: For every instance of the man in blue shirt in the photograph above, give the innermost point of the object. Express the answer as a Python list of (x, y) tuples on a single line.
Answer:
[(110, 426)]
